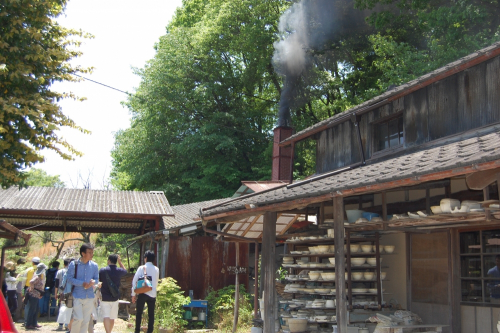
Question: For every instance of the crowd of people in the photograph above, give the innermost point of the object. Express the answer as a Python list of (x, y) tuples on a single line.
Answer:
[(79, 291)]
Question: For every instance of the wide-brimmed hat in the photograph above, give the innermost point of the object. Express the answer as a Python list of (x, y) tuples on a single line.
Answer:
[(40, 269), (10, 266), (35, 260)]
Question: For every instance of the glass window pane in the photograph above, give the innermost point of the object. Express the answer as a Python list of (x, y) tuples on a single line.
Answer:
[(491, 241), (470, 242), (381, 140), (401, 132), (471, 291), (470, 266), (393, 133)]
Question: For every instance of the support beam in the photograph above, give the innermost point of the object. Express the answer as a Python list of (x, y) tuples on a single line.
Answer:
[(269, 269), (481, 179), (256, 282), (338, 220), (236, 289)]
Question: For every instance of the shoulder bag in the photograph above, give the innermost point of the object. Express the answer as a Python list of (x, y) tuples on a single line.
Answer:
[(143, 284), (113, 289)]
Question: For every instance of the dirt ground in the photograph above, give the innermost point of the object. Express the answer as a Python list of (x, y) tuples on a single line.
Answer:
[(51, 326)]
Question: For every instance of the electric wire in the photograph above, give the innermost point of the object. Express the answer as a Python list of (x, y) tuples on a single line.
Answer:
[(102, 84)]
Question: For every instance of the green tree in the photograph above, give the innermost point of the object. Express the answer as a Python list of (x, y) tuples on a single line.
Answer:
[(34, 53), (38, 177), (203, 114)]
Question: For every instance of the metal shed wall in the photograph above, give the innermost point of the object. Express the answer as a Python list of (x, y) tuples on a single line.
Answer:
[(198, 263)]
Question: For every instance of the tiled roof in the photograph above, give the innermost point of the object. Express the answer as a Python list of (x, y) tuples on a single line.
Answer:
[(417, 83), (84, 200), (467, 150), (185, 214)]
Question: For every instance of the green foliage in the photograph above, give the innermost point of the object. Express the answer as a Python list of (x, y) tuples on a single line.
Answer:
[(34, 53), (169, 310), (221, 305), (207, 102), (38, 177), (203, 114)]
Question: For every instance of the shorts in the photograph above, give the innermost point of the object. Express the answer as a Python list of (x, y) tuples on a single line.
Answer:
[(110, 309)]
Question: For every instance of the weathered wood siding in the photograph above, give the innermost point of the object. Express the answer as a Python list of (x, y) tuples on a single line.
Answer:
[(461, 102), (198, 263)]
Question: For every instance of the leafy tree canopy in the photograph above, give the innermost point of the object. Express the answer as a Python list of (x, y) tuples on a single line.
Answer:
[(38, 177), (34, 53), (208, 100)]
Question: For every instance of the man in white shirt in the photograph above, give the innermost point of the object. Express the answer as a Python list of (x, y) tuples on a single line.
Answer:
[(149, 298)]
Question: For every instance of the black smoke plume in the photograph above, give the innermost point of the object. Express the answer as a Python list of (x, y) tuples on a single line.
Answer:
[(307, 27)]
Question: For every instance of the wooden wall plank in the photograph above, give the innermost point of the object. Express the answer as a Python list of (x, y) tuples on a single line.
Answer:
[(269, 267), (443, 101), (468, 319), (415, 118), (493, 88), (483, 320)]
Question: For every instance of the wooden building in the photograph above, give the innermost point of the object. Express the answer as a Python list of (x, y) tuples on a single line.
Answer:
[(436, 137)]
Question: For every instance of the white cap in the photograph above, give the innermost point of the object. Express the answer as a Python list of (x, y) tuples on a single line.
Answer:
[(36, 260)]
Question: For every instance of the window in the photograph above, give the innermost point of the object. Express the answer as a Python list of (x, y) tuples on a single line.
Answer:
[(388, 134), (479, 266)]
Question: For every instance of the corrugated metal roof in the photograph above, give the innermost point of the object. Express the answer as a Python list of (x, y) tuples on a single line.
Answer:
[(420, 81), (186, 214), (470, 149), (84, 200)]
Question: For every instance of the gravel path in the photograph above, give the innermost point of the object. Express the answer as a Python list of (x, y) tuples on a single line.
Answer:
[(51, 326)]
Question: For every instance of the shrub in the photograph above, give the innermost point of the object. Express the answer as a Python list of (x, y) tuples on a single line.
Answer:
[(221, 309), (169, 310)]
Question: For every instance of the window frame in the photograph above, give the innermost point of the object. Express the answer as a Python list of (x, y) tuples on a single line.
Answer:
[(480, 255), (380, 121)]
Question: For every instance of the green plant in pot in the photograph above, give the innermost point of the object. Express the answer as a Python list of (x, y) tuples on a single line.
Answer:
[(169, 310)]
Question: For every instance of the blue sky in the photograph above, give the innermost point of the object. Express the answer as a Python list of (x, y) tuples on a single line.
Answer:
[(125, 32)]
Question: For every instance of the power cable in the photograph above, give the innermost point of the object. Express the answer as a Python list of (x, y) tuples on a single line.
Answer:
[(102, 84)]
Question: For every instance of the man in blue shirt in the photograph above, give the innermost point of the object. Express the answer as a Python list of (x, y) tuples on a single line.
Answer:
[(87, 274), (109, 304)]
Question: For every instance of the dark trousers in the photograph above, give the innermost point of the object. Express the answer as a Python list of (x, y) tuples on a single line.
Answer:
[(12, 301), (150, 301), (33, 312)]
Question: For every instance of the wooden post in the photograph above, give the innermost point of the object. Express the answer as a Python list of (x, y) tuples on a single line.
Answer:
[(486, 196), (165, 243), (269, 269), (236, 289), (338, 221), (256, 284), (379, 269), (427, 201)]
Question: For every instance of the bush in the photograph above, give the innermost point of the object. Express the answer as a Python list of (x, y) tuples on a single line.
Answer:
[(221, 309), (169, 310)]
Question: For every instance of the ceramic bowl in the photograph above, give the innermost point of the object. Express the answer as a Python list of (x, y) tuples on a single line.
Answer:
[(357, 261), (373, 261), (332, 248), (436, 210), (366, 248), (372, 290), (322, 290), (359, 290), (353, 215), (354, 248), (448, 205), (313, 276), (327, 275), (332, 261), (389, 248), (368, 275), (331, 233), (356, 276), (322, 248), (383, 275), (312, 249)]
